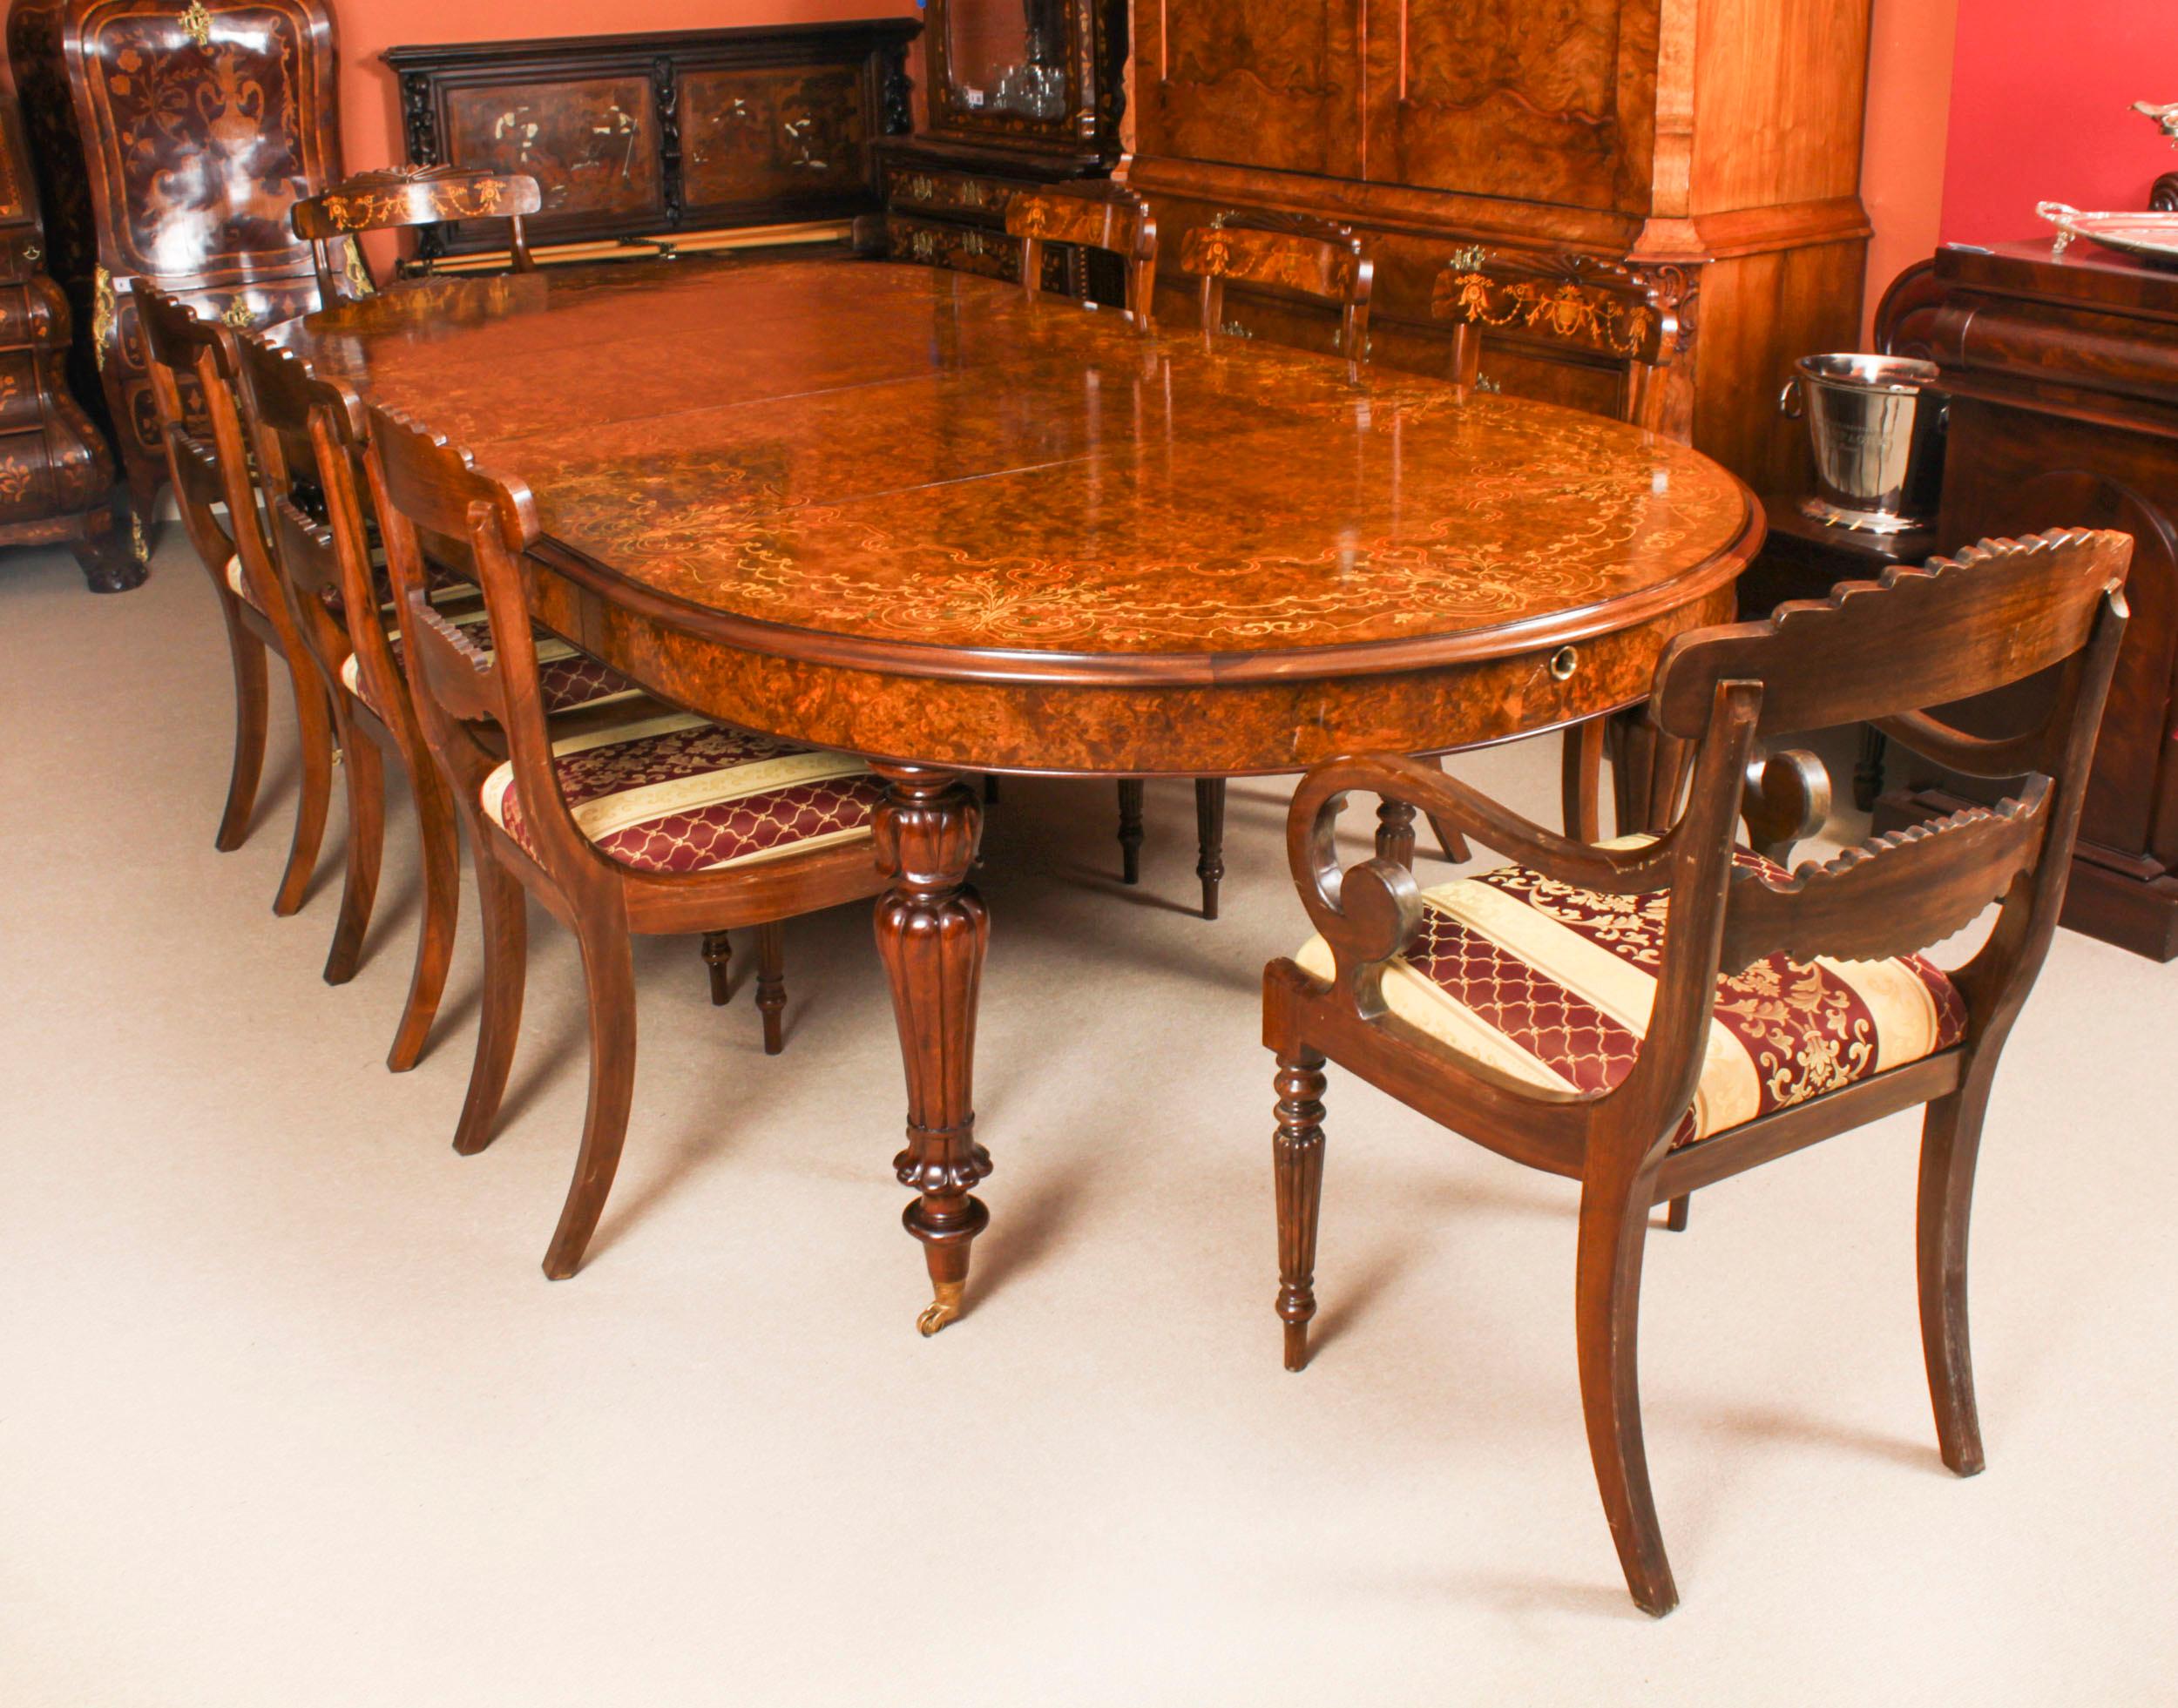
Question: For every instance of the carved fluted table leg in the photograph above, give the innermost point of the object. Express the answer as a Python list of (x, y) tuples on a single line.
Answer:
[(931, 932)]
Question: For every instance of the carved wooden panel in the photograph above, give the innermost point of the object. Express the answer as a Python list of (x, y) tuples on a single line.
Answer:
[(749, 136), (590, 146)]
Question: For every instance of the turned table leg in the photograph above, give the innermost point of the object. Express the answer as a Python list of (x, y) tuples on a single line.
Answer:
[(931, 932)]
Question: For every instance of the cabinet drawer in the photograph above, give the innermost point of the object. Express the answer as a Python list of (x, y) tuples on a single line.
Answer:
[(962, 249), (915, 187), (21, 404), (26, 478)]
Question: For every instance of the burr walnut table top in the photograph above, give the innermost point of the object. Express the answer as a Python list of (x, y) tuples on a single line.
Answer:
[(918, 515)]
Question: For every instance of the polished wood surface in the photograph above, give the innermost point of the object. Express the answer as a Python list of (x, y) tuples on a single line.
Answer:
[(1994, 615), (930, 519), (2062, 374), (1720, 140), (172, 140)]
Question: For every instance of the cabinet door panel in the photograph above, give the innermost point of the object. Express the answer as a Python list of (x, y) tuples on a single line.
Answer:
[(1248, 85), (1544, 100)]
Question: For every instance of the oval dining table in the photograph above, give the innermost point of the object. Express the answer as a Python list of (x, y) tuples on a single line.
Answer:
[(921, 516)]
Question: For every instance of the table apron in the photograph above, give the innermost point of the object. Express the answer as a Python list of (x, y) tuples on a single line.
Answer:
[(1195, 730)]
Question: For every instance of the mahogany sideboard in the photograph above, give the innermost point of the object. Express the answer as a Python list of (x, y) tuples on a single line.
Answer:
[(679, 142), (170, 139), (1717, 146), (2063, 376)]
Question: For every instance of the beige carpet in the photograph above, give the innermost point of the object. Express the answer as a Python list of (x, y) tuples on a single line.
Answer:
[(289, 1416)]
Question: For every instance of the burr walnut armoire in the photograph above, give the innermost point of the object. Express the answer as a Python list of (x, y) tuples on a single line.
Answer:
[(1714, 145), (171, 137)]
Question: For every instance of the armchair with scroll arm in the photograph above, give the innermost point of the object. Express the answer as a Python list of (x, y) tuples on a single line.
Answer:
[(1654, 1015)]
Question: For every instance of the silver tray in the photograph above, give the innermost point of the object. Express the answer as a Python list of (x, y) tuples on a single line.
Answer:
[(2152, 236)]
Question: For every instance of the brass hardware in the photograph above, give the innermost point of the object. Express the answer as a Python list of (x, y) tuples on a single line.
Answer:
[(237, 314), (32, 252), (102, 314), (197, 24), (1563, 663)]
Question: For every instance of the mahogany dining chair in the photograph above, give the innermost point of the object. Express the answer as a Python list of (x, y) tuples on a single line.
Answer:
[(313, 534), (1656, 1014), (393, 197), (192, 365), (657, 822)]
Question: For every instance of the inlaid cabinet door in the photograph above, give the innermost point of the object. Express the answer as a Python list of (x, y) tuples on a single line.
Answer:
[(591, 144), (1544, 100), (1248, 85)]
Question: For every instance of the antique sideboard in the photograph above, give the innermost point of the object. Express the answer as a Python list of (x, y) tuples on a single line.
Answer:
[(2063, 378), (171, 140), (56, 475), (1716, 147), (1021, 93), (676, 142)]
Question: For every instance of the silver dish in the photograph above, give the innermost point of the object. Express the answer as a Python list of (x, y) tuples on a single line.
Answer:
[(2152, 236)]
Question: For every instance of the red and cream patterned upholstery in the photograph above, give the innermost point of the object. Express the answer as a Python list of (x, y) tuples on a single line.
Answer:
[(568, 679), (1554, 984), (677, 792)]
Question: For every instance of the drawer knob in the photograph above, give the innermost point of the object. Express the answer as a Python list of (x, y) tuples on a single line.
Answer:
[(1563, 663)]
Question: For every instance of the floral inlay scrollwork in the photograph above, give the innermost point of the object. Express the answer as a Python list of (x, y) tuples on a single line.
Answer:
[(1565, 309)]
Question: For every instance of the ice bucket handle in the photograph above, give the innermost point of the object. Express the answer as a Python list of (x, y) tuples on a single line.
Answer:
[(1789, 404)]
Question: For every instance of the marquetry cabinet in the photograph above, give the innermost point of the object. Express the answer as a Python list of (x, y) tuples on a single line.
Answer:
[(171, 137), (56, 475), (1715, 146), (1021, 94)]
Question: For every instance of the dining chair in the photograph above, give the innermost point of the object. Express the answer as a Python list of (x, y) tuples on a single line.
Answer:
[(192, 364), (1656, 1014), (396, 197), (313, 534), (1100, 216), (1583, 312), (662, 822)]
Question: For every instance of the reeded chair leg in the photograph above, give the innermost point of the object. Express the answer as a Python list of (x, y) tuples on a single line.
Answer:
[(1297, 1160), (506, 942), (1675, 1217), (718, 954), (440, 845), (1580, 782), (1210, 837), (1130, 830), (1951, 1141), (608, 971), (771, 984), (247, 654), (314, 729), (1450, 842), (366, 775), (1607, 1301), (989, 789)]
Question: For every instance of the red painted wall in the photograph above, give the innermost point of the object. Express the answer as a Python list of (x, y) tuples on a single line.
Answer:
[(2040, 98), (370, 109)]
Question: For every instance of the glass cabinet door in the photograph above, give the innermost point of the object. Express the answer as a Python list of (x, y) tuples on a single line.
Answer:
[(1008, 57)]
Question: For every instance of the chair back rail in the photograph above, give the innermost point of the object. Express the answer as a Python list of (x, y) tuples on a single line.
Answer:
[(175, 341), (1288, 253), (422, 482), (392, 198), (1925, 636), (1092, 216)]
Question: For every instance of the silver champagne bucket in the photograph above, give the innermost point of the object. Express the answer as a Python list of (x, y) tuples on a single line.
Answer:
[(1877, 432)]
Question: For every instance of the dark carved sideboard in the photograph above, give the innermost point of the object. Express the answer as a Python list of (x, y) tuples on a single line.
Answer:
[(1022, 93), (170, 139), (2063, 376), (56, 475), (1714, 146), (677, 143)]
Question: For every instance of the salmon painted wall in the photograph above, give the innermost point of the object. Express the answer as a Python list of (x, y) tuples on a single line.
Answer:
[(2040, 99), (369, 108), (1903, 151)]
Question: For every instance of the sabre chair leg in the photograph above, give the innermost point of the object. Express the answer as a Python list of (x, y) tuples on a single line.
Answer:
[(314, 729), (718, 954), (366, 774), (771, 984), (1580, 781), (506, 943), (1607, 1298), (1130, 830), (1450, 842), (1210, 837), (247, 654), (1297, 1160), (439, 842), (1951, 1140), (608, 971)]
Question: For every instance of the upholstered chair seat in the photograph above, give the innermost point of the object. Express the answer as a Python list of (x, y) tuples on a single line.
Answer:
[(679, 794), (568, 678), (1553, 985)]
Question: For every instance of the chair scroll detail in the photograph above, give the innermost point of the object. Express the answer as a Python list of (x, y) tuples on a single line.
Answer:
[(1729, 1011)]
